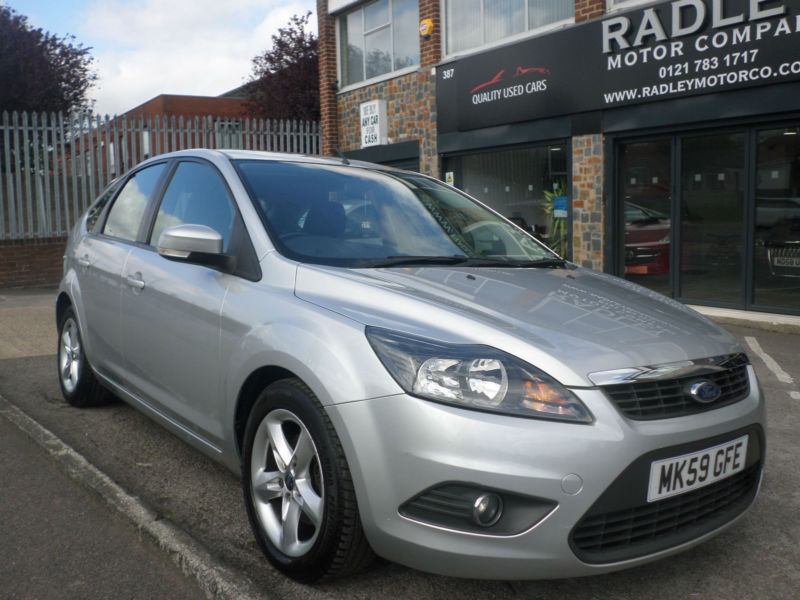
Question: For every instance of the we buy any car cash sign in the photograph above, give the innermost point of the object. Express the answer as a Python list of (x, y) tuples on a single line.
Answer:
[(670, 50)]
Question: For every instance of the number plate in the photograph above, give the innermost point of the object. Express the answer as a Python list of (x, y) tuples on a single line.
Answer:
[(673, 476), (786, 261)]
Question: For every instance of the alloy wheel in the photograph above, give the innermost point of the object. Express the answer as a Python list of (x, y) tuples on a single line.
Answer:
[(69, 356), (286, 482)]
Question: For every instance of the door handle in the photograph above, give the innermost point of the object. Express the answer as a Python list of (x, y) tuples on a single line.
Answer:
[(135, 281)]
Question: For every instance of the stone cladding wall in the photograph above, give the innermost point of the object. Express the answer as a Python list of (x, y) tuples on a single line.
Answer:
[(410, 111), (587, 201)]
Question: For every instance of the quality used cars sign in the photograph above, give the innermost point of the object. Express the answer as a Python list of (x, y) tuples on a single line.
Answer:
[(670, 50)]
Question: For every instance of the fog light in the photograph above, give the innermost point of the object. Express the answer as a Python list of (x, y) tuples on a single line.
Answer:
[(487, 510)]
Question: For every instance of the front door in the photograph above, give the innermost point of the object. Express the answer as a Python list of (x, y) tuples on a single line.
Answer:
[(172, 309)]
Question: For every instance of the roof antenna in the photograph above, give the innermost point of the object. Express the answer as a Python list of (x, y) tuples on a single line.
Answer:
[(342, 156)]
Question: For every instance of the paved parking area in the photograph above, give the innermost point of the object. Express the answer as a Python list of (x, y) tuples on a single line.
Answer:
[(27, 323), (61, 540)]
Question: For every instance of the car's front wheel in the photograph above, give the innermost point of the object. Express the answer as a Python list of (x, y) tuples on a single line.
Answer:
[(78, 384), (297, 487)]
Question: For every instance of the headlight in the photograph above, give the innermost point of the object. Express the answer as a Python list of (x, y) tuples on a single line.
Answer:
[(473, 376)]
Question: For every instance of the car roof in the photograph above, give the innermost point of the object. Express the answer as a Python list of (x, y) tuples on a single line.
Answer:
[(273, 156)]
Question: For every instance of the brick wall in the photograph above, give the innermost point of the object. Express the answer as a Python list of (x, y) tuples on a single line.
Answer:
[(191, 106), (327, 78), (587, 201), (430, 50), (31, 263), (410, 110), (589, 9)]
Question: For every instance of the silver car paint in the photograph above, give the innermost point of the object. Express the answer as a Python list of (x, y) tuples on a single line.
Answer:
[(567, 323), (309, 320), (406, 445)]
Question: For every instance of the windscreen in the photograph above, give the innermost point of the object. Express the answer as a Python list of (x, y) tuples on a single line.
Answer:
[(358, 217)]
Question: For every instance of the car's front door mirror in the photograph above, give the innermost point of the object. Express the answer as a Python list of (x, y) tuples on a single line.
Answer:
[(198, 244)]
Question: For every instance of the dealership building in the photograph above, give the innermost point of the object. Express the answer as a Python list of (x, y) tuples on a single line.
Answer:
[(659, 141)]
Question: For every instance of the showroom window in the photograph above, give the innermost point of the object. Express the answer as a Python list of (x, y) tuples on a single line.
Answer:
[(526, 185), (714, 217), (475, 23), (378, 38)]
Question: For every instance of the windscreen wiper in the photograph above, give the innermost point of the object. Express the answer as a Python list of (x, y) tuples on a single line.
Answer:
[(541, 263), (395, 261), (464, 261)]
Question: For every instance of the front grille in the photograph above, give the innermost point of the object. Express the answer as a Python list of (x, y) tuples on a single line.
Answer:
[(611, 531), (664, 399)]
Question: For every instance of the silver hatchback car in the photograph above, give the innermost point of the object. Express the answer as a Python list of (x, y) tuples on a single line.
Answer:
[(395, 369)]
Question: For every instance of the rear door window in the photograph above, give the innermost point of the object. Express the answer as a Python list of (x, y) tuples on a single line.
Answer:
[(125, 217)]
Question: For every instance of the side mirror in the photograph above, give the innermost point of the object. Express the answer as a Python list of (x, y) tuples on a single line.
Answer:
[(197, 244)]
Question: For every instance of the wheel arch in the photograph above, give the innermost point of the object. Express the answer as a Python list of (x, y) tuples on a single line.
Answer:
[(248, 394), (63, 302)]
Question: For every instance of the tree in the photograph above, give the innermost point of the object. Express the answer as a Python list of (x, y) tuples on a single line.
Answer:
[(284, 83), (40, 71)]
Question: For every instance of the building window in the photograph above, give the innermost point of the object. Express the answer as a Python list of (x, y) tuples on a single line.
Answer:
[(378, 38), (475, 23)]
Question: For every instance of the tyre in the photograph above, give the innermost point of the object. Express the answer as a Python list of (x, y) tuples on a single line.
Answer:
[(79, 385), (297, 487)]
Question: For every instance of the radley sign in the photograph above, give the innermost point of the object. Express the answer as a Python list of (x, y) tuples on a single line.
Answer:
[(670, 50)]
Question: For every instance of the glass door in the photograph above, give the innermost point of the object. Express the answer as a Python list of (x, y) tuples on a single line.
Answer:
[(776, 256), (645, 183), (712, 218)]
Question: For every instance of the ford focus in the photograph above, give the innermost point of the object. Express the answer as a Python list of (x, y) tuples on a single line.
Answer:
[(394, 369)]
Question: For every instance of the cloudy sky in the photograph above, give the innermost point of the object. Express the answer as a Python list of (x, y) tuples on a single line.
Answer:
[(143, 48)]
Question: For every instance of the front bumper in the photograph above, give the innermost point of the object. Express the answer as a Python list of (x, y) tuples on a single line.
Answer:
[(399, 446)]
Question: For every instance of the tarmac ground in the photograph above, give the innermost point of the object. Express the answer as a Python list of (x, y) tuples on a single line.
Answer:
[(62, 540)]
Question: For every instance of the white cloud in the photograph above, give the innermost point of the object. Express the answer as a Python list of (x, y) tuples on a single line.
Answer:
[(144, 48)]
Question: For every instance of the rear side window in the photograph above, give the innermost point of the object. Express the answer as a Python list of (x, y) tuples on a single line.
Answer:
[(126, 214), (97, 208), (196, 195)]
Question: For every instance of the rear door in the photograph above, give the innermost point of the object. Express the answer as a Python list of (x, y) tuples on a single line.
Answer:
[(100, 257)]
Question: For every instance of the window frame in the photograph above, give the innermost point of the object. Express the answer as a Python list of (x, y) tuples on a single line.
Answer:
[(528, 33), (159, 200), (240, 244), (340, 54), (155, 196), (613, 6)]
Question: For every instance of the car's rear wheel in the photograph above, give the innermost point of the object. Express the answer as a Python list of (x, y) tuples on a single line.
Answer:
[(79, 385), (297, 487)]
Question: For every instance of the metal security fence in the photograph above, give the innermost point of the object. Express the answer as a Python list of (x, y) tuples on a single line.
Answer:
[(53, 165)]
